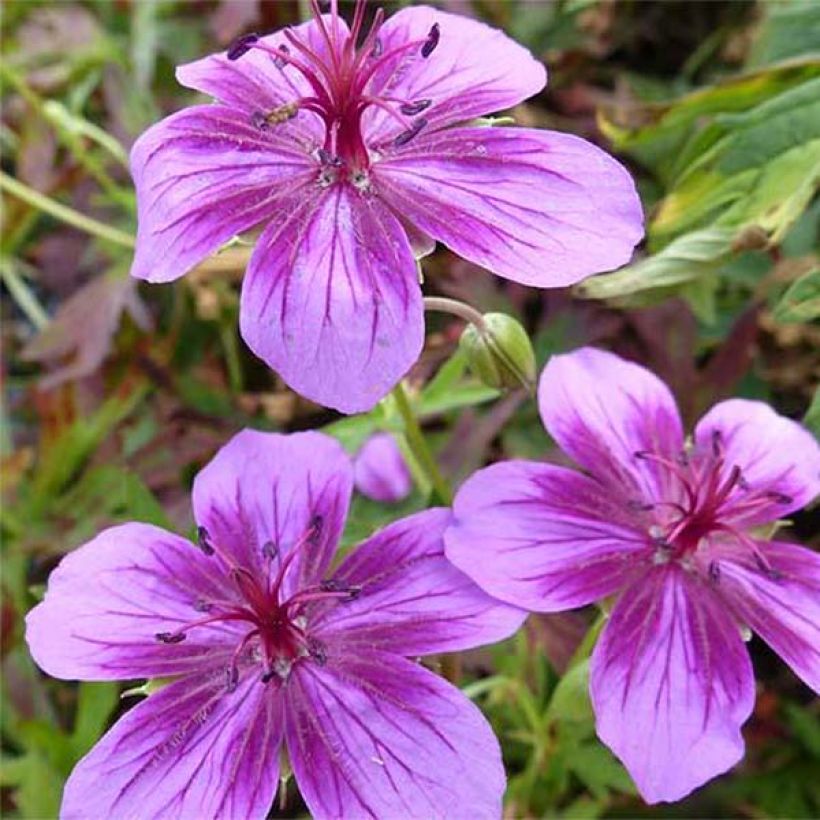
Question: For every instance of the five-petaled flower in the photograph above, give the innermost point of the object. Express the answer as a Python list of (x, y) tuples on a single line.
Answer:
[(670, 529), (264, 646), (356, 150)]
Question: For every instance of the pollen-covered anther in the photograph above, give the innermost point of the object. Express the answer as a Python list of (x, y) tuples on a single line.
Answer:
[(262, 120)]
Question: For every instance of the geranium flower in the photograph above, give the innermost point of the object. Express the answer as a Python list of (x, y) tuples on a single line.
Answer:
[(669, 529), (356, 150), (380, 471), (261, 647)]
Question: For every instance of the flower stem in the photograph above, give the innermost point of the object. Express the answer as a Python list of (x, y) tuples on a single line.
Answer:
[(419, 448), (64, 213), (442, 304)]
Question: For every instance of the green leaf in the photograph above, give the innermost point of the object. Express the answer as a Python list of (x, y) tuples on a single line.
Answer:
[(759, 166), (658, 134), (801, 301), (684, 260), (95, 702), (812, 417), (570, 700), (788, 30), (599, 771), (37, 785)]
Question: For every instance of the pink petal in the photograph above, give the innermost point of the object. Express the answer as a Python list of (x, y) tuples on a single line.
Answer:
[(202, 176), (255, 83), (380, 470), (189, 751), (266, 492), (782, 605), (671, 684), (413, 601), (382, 737), (474, 70), (107, 600), (538, 207), (603, 411), (543, 537), (776, 455), (331, 300)]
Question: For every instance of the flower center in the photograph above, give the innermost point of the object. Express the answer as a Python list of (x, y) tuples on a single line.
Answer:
[(700, 489), (340, 75), (277, 634)]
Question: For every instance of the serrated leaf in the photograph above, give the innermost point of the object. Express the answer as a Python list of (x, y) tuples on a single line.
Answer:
[(684, 260), (801, 301)]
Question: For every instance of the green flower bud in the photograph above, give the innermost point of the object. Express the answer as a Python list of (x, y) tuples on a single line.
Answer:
[(499, 352)]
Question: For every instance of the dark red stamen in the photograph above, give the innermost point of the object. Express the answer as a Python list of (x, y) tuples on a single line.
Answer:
[(410, 133)]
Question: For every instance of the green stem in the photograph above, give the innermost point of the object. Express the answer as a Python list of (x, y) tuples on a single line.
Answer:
[(25, 299), (418, 446), (231, 348), (64, 213)]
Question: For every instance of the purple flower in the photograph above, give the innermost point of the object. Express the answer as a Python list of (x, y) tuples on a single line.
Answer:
[(264, 646), (670, 529), (355, 150), (380, 471)]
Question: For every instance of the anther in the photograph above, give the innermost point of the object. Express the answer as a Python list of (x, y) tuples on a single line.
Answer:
[(780, 498), (269, 550), (331, 585), (714, 572), (378, 48), (259, 120), (413, 108), (410, 133), (641, 454), (281, 62), (639, 506), (170, 637), (203, 541), (317, 522), (717, 443), (431, 42), (317, 652), (326, 158), (201, 605), (241, 46), (231, 678)]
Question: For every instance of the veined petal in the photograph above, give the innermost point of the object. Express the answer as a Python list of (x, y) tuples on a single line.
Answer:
[(380, 470), (474, 70), (254, 82), (202, 176), (776, 456), (191, 750), (331, 300), (265, 493), (781, 605), (605, 413), (538, 207), (379, 736), (107, 600), (543, 537), (413, 601), (671, 684)]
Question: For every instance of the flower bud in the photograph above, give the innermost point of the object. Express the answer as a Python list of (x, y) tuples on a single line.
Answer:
[(499, 352)]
